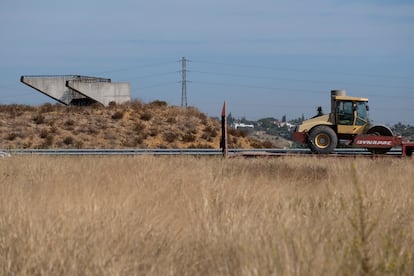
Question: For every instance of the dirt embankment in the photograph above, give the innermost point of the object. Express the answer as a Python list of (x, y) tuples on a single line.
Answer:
[(132, 125)]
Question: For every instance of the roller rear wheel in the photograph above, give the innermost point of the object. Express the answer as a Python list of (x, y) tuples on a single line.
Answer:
[(379, 131)]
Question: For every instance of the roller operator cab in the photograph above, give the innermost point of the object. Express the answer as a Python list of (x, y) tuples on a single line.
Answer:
[(347, 121)]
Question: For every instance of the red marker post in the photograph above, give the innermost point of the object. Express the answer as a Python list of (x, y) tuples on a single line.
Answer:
[(223, 142)]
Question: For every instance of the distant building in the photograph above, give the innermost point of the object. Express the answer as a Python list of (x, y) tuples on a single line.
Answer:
[(80, 90), (242, 125), (285, 124)]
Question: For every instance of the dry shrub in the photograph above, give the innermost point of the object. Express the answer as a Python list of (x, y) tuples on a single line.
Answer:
[(201, 146), (53, 129), (68, 140), (146, 116), (94, 107), (15, 110), (48, 141), (78, 144), (69, 122), (111, 136), (162, 146), (117, 115), (233, 142), (194, 112), (136, 104), (139, 139), (188, 125), (157, 104), (11, 136), (254, 143), (237, 132), (138, 127), (171, 120), (188, 137), (73, 109), (170, 136), (39, 119), (92, 130), (43, 133), (153, 132), (132, 142), (47, 107), (267, 144), (206, 137), (210, 130)]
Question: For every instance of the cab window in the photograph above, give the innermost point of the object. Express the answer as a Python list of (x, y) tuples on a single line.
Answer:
[(362, 114), (345, 113)]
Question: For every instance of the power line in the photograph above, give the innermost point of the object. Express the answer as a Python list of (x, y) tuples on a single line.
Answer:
[(257, 87), (158, 85), (132, 68), (300, 90), (153, 75), (303, 70), (244, 76)]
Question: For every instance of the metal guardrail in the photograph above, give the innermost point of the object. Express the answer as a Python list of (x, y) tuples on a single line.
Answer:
[(196, 152), (113, 152)]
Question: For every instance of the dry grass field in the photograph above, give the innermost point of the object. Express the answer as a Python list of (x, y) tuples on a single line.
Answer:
[(147, 215)]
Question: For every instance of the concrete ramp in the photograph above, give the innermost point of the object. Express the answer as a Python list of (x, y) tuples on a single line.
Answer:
[(102, 92), (79, 90)]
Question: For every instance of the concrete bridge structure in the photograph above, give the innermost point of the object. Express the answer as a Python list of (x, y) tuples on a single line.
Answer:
[(80, 90)]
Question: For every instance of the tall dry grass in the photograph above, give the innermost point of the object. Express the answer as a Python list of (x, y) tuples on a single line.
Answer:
[(205, 216)]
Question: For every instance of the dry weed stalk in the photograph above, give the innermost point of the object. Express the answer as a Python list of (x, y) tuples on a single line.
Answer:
[(363, 226)]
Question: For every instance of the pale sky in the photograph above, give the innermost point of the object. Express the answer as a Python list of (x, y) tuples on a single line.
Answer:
[(264, 58)]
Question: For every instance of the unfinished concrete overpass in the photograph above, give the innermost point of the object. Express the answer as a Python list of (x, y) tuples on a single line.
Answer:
[(79, 90)]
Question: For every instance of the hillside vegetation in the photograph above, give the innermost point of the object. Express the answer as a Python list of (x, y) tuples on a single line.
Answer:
[(132, 125)]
